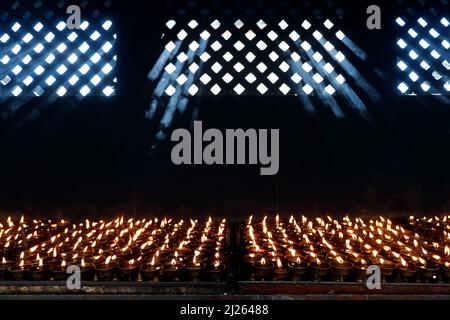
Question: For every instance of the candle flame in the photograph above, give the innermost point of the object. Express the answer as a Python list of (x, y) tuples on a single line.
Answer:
[(263, 261), (279, 264)]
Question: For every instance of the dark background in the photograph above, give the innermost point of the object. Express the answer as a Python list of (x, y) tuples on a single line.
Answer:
[(95, 156)]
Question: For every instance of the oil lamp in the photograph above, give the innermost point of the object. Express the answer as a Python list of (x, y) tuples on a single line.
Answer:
[(106, 271), (128, 269), (195, 268), (4, 267), (172, 270), (151, 271), (408, 271), (20, 270), (298, 268), (263, 268), (280, 273), (215, 270), (58, 272), (341, 268)]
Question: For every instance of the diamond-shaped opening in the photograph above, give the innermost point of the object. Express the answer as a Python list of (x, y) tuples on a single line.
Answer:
[(182, 79), (284, 66), (239, 45), (216, 67), (205, 78), (216, 89), (205, 56), (250, 35), (228, 56), (330, 90), (272, 35), (261, 67), (262, 88), (261, 24), (227, 78), (308, 89), (238, 67), (285, 89), (194, 67), (305, 45), (205, 35), (318, 78), (261, 45), (182, 34), (182, 57), (250, 56), (272, 77), (170, 68), (317, 56), (239, 89), (306, 25), (273, 56), (194, 45), (294, 35), (193, 90), (215, 24), (295, 56), (250, 78), (328, 24), (216, 46), (296, 78), (193, 24), (307, 67), (328, 67), (170, 24), (283, 24), (283, 46), (226, 35), (239, 24)]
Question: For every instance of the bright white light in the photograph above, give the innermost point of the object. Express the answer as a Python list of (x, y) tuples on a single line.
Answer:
[(182, 57), (272, 77), (328, 46), (425, 65), (317, 35), (402, 65), (261, 24), (16, 27), (17, 69), (170, 46), (216, 46), (205, 78), (272, 35), (294, 36), (328, 24), (401, 43), (107, 25), (16, 49), (28, 80), (72, 37), (182, 34), (193, 24), (61, 26), (194, 45), (295, 56), (38, 48), (61, 91), (446, 44), (193, 90), (328, 68), (340, 56), (445, 22), (4, 38), (422, 22), (296, 78), (49, 37), (425, 86), (226, 35), (308, 89), (307, 67), (340, 35), (435, 54), (170, 24), (261, 45), (285, 89), (27, 59), (170, 90), (239, 45), (6, 80), (17, 91), (446, 64), (413, 55), (447, 86), (436, 75), (5, 59), (38, 91), (239, 89), (250, 56), (402, 87), (73, 80), (182, 79), (317, 56), (50, 80), (95, 35), (72, 58), (284, 66), (215, 24), (107, 46), (84, 25), (283, 46), (434, 33), (95, 58), (205, 35), (85, 91), (227, 78), (61, 48), (238, 24), (261, 67), (216, 67), (50, 58), (27, 38), (250, 78), (205, 56), (340, 79), (306, 25), (39, 70), (424, 44), (305, 45), (170, 68), (228, 56), (250, 35), (108, 91), (84, 69), (216, 89), (412, 33), (413, 76), (330, 90), (262, 88), (96, 80), (400, 22), (318, 78), (283, 24), (61, 69), (238, 67)]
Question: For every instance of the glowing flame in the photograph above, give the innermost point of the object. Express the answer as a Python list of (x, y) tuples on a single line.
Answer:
[(340, 260), (108, 260), (298, 260), (279, 264), (447, 250), (403, 262), (173, 262), (63, 264), (263, 261)]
